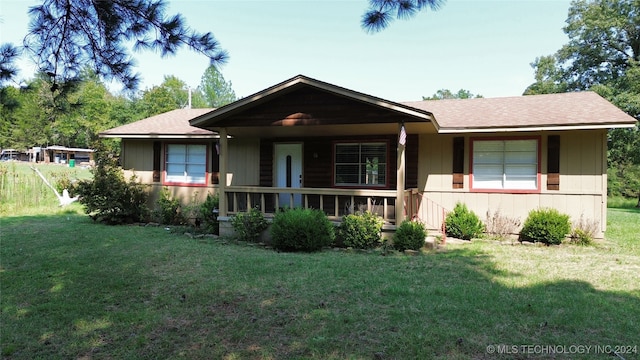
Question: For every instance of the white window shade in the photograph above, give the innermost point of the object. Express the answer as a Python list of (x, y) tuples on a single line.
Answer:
[(186, 164), (505, 164)]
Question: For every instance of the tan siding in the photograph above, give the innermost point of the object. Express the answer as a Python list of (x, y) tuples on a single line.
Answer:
[(138, 155), (244, 161), (582, 178), (138, 159)]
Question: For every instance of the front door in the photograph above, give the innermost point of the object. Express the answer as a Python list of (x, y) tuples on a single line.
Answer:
[(288, 172)]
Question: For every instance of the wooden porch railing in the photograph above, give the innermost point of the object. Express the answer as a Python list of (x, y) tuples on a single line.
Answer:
[(334, 202)]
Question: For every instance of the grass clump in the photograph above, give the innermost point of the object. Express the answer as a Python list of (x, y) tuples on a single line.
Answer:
[(501, 226), (409, 235), (584, 231), (547, 226), (301, 230), (463, 223), (361, 230), (249, 225)]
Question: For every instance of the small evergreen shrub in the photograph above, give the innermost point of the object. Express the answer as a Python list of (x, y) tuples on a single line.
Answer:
[(361, 230), (409, 235), (108, 197), (249, 225), (463, 224), (168, 210), (207, 214), (584, 231), (546, 225), (301, 230)]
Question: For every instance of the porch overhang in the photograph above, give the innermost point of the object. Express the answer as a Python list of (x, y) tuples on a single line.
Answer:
[(302, 106)]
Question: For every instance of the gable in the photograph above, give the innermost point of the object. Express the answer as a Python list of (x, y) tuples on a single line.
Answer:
[(302, 101)]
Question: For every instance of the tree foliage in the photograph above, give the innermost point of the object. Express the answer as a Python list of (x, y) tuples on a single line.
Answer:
[(443, 94), (74, 116), (215, 90), (602, 55), (65, 35), (382, 12), (8, 55)]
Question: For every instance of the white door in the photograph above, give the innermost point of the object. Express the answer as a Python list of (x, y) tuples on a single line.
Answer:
[(288, 172)]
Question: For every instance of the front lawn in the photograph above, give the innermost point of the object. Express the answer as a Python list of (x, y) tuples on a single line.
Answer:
[(74, 289)]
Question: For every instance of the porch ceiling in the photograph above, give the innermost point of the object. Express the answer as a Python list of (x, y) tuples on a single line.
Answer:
[(332, 130)]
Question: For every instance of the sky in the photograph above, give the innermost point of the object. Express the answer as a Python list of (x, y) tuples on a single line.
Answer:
[(484, 46)]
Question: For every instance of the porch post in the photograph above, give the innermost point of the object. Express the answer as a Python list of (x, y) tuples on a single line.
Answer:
[(402, 136), (222, 184)]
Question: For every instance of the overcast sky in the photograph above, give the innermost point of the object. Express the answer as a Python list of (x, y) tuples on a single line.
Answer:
[(479, 45)]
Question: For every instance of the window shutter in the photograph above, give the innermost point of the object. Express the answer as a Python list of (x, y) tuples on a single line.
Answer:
[(215, 165), (553, 162), (157, 153), (458, 162)]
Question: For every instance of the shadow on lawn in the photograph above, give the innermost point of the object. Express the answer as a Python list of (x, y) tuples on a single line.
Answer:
[(71, 288)]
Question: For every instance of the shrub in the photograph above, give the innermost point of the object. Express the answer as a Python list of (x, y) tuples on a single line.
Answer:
[(249, 225), (209, 217), (301, 230), (168, 209), (463, 224), (62, 180), (501, 226), (584, 231), (361, 230), (108, 197), (409, 235), (545, 225)]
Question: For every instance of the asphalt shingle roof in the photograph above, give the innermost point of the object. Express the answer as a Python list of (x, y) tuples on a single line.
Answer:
[(550, 110), (174, 122)]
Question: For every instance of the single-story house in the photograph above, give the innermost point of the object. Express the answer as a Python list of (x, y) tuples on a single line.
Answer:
[(304, 142)]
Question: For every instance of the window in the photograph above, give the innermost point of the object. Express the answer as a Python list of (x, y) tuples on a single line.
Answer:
[(186, 164), (505, 164), (361, 164)]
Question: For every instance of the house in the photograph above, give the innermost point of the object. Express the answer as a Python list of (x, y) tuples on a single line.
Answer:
[(304, 142)]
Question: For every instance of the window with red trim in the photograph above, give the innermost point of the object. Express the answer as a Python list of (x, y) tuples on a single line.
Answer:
[(505, 164), (186, 164)]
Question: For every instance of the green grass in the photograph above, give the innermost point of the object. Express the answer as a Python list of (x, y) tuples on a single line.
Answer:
[(621, 202), (23, 191), (75, 289)]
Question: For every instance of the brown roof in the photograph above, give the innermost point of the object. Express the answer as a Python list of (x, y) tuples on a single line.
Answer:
[(552, 111), (174, 123)]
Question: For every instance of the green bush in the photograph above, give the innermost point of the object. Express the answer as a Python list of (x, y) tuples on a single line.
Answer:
[(361, 230), (463, 224), (168, 210), (545, 225), (108, 197), (301, 230), (249, 225), (207, 214), (409, 235)]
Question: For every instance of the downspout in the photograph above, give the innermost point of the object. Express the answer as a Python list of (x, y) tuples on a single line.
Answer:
[(222, 184), (400, 169)]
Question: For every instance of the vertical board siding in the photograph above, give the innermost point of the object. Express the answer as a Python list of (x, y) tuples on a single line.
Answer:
[(582, 178), (244, 161)]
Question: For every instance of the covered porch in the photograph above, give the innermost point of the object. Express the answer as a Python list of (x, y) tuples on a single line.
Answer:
[(318, 146)]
